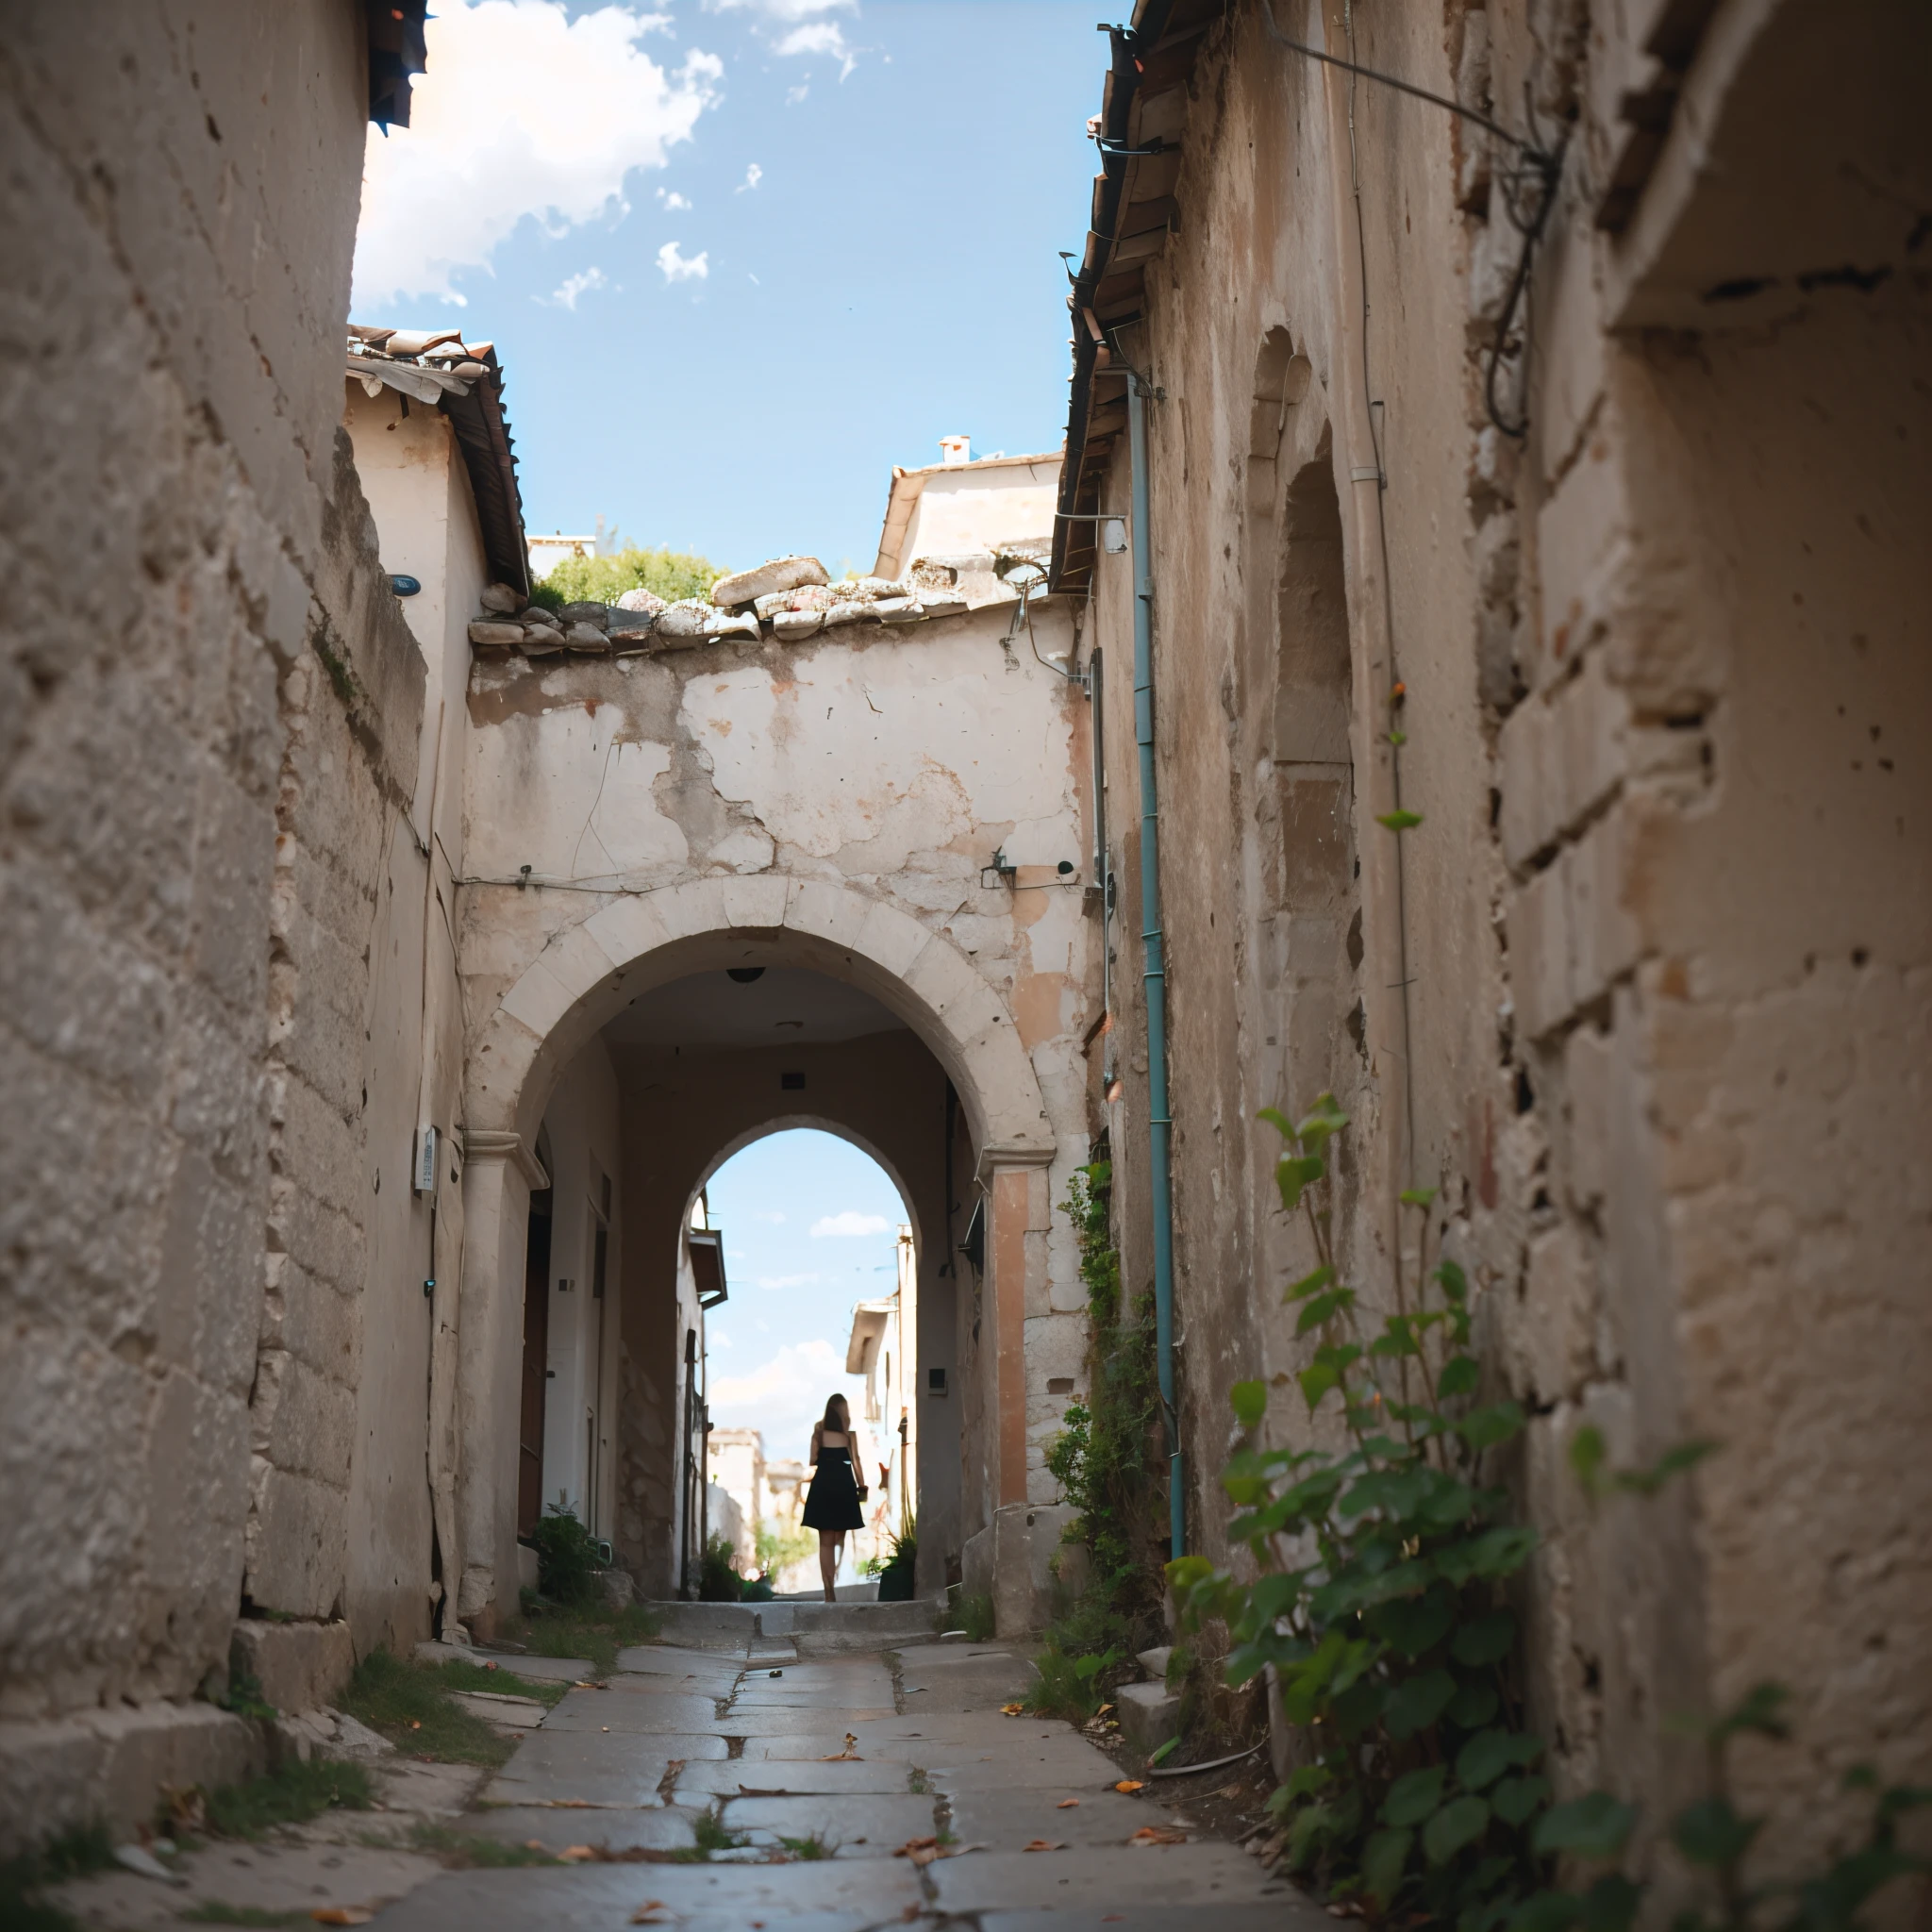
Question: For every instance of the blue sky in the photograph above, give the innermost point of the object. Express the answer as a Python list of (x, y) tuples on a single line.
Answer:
[(861, 201), (811, 1227)]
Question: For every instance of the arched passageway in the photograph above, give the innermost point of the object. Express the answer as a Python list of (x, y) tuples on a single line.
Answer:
[(645, 1070)]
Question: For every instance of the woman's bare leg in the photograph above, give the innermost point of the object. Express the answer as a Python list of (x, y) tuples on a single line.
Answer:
[(829, 1560)]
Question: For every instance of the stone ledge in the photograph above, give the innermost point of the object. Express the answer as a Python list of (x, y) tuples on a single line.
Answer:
[(1150, 1714), (299, 1666), (109, 1766)]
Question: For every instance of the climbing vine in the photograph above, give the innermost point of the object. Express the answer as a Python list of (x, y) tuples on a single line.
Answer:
[(1107, 1460)]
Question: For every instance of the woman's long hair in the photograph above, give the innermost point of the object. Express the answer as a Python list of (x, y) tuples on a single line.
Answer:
[(837, 1417)]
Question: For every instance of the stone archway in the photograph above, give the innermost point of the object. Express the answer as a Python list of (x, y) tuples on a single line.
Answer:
[(585, 974)]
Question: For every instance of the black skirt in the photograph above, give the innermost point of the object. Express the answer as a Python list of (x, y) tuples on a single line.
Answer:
[(832, 1501)]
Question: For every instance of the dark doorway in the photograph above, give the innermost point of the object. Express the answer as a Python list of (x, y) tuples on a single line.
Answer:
[(536, 1366)]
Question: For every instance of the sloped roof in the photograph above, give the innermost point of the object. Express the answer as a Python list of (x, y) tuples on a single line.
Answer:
[(465, 382)]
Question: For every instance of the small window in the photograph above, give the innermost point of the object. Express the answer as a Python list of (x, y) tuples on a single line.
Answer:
[(1060, 1385), (935, 1382)]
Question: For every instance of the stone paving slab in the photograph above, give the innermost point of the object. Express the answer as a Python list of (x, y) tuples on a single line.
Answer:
[(285, 1878), (883, 1823), (513, 1712), (547, 1669), (766, 1776), (661, 1829), (621, 1768), (807, 1722), (1296, 1914), (1047, 1761), (600, 1710), (1195, 1876), (833, 1896), (1007, 1820), (659, 1660)]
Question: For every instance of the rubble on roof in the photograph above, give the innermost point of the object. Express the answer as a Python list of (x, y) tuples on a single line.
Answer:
[(426, 364), (639, 622)]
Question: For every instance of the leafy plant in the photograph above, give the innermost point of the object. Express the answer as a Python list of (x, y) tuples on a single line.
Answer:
[(243, 1697), (291, 1794), (672, 574), (975, 1614), (1380, 1601), (718, 1579), (1106, 1458), (568, 1557)]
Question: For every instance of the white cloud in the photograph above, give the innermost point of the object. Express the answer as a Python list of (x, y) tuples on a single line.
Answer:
[(573, 286), (800, 27), (678, 268), (523, 112), (783, 1396), (787, 1280), (753, 175), (794, 94), (673, 200), (848, 1224)]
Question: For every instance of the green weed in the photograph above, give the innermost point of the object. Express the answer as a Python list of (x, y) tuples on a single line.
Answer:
[(548, 1629), (472, 1849), (976, 1616), (288, 1795), (72, 1855), (808, 1848), (459, 1674), (410, 1705)]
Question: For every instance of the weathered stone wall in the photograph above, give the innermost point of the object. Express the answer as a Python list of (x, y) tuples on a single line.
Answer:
[(193, 612), (1651, 979)]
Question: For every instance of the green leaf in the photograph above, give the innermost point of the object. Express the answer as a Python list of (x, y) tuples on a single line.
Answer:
[(1291, 1175), (1474, 1704), (1399, 821), (1586, 1457), (1454, 1282), (1250, 1401), (1499, 1551), (1515, 1798), (1165, 1752), (1411, 1626), (1321, 1308), (1484, 1640), (1279, 1120), (1184, 1573), (1460, 1822), (1384, 1858), (1417, 1197), (1483, 1428), (1301, 1290), (1673, 1462), (1759, 1711), (1460, 1375), (1418, 1701), (1304, 1781), (1595, 1826), (1610, 1905), (1414, 1795), (1710, 1832), (1317, 1381), (1548, 1911), (1490, 1754)]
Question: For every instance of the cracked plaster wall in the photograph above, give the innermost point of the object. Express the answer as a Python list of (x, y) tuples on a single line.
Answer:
[(893, 764), (1669, 926)]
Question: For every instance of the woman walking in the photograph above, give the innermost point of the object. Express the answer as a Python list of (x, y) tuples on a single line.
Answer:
[(832, 1503)]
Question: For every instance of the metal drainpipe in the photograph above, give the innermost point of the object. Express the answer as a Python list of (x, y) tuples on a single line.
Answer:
[(1153, 968)]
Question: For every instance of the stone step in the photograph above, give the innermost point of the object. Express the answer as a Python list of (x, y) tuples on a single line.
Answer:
[(816, 1628)]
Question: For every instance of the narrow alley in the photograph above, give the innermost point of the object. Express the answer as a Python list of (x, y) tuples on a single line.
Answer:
[(822, 1767)]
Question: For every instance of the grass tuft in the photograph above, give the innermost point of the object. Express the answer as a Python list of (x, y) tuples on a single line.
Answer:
[(808, 1848), (471, 1849), (410, 1706), (458, 1673), (288, 1795), (976, 1616), (584, 1630)]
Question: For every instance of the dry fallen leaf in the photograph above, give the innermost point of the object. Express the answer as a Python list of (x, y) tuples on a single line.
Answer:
[(1046, 1845), (654, 1911), (1066, 1804), (576, 1854), (535, 1844), (1103, 1710), (341, 1915), (415, 1723), (1131, 1785), (1158, 1835), (921, 1851), (604, 1728), (1014, 1710), (490, 1667)]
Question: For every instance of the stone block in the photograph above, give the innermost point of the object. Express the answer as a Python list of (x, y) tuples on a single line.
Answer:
[(1150, 1716), (300, 1667), (1587, 1078), (1538, 953), (109, 1766)]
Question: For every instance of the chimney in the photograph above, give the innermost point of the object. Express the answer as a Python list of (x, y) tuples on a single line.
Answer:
[(956, 449)]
